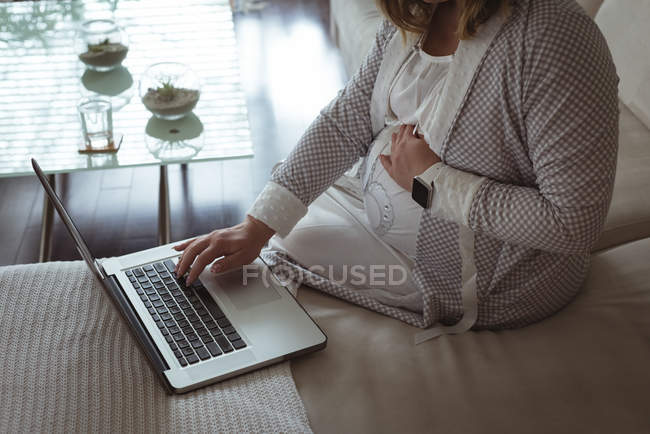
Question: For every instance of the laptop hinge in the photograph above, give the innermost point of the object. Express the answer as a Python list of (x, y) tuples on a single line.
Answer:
[(100, 269)]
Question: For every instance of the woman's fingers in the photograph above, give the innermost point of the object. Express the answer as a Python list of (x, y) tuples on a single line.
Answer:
[(405, 131), (418, 134), (231, 262), (396, 139), (182, 246), (239, 244), (402, 129), (191, 252), (202, 260), (410, 130), (387, 163)]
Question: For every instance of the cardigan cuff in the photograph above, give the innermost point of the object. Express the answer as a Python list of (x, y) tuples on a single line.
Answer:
[(454, 193), (278, 208)]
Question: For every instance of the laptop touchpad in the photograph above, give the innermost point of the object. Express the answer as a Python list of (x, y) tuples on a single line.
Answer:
[(247, 289)]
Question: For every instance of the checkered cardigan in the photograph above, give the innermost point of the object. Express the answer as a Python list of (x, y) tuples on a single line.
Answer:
[(539, 121)]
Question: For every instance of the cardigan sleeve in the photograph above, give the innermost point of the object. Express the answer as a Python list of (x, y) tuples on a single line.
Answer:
[(334, 141), (570, 110), (454, 193)]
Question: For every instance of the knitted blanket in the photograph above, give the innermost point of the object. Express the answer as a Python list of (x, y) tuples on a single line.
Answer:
[(69, 364)]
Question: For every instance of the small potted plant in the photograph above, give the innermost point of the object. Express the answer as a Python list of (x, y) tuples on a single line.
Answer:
[(169, 90), (103, 45)]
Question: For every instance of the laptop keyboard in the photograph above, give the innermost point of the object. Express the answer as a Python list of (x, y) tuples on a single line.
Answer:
[(194, 326)]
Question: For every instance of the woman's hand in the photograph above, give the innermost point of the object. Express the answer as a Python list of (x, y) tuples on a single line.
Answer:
[(409, 156), (239, 245)]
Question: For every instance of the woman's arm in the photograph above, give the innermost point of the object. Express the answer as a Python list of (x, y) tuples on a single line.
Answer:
[(571, 117), (570, 109), (332, 143)]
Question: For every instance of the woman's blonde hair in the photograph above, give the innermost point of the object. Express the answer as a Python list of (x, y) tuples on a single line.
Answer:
[(414, 15)]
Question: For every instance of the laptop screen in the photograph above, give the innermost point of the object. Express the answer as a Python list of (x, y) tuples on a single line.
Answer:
[(81, 245)]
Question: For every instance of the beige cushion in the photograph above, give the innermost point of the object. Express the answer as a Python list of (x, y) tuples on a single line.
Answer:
[(625, 26), (587, 369), (629, 212)]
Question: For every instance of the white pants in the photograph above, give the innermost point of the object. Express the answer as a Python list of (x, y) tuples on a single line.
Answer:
[(334, 240)]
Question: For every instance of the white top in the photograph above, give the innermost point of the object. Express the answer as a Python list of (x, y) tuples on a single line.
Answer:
[(422, 76), (391, 212)]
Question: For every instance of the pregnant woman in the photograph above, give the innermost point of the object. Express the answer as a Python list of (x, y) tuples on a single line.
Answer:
[(460, 178)]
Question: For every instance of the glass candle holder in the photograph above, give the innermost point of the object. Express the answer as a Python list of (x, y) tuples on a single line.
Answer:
[(101, 44)]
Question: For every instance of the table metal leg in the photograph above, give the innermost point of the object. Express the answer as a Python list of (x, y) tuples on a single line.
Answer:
[(164, 229), (45, 248)]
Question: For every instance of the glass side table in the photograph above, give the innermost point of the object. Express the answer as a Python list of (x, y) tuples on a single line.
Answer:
[(44, 80)]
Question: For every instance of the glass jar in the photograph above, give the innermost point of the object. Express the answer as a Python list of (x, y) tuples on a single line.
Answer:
[(101, 44), (170, 90)]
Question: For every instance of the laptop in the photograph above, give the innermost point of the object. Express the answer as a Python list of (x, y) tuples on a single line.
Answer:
[(218, 327)]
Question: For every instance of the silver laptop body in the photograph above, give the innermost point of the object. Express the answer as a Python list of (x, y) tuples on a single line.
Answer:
[(232, 323)]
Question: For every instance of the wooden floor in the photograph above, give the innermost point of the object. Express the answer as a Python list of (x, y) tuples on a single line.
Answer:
[(290, 70)]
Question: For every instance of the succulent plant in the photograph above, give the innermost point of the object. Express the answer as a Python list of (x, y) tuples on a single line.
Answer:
[(95, 48), (166, 90)]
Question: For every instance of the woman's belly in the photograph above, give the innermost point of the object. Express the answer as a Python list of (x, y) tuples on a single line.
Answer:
[(392, 214)]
